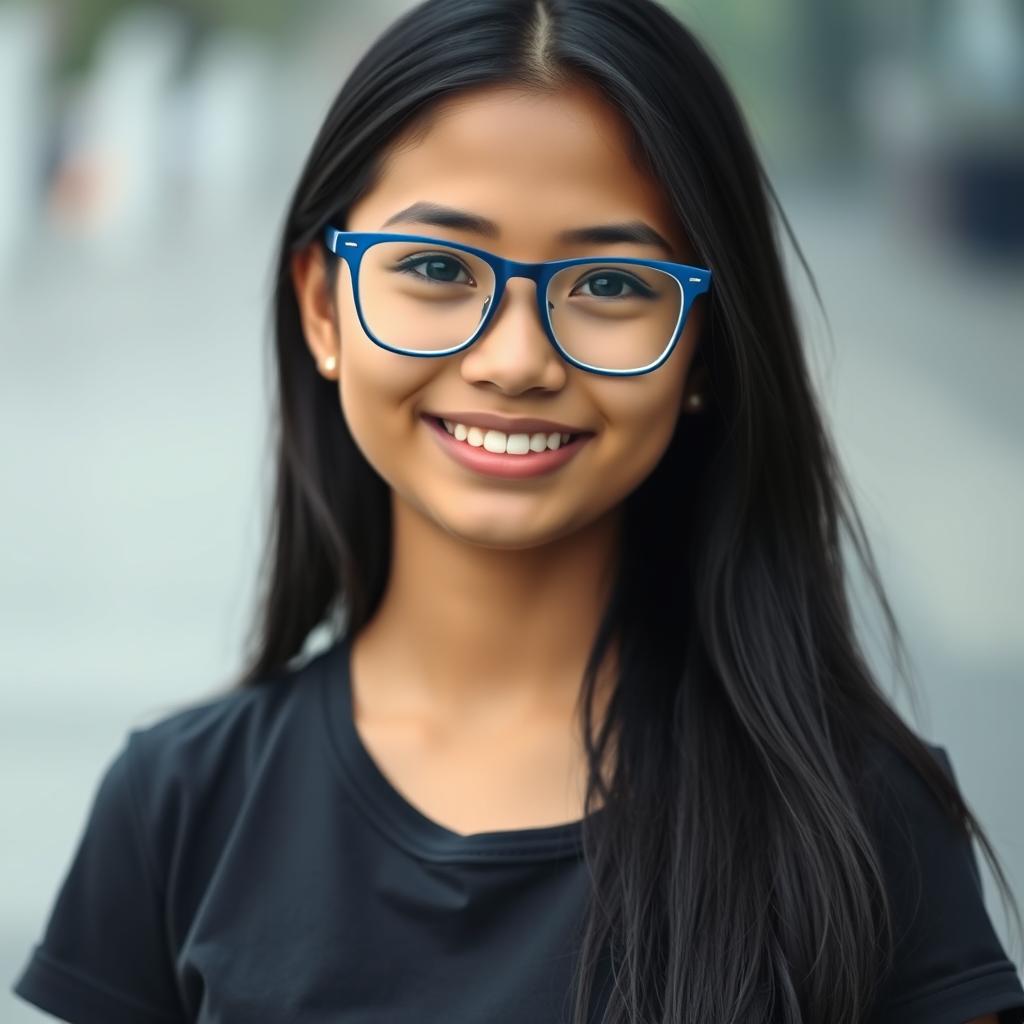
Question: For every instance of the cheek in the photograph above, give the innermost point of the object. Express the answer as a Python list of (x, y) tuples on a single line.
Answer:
[(640, 423), (377, 395)]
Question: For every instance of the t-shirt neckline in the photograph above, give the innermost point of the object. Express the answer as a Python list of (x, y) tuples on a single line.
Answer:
[(400, 821)]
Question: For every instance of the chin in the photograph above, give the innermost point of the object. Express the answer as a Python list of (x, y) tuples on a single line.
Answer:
[(513, 534), (495, 537)]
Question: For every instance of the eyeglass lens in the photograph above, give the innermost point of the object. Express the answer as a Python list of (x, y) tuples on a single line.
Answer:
[(424, 297)]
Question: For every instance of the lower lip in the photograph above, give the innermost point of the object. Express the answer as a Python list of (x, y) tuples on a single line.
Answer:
[(509, 466)]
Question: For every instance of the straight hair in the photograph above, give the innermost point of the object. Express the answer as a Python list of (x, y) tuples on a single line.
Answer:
[(735, 874)]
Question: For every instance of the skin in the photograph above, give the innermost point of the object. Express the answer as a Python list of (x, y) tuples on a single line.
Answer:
[(465, 681)]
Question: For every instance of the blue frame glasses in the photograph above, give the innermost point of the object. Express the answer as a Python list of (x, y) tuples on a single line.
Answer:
[(351, 246)]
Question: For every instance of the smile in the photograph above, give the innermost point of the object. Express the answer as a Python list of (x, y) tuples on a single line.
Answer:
[(494, 453), (500, 443)]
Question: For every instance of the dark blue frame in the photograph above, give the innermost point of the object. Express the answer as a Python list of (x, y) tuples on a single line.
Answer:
[(351, 245)]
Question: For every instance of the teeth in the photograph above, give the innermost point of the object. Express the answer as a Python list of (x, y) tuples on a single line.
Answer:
[(494, 441), (514, 444), (505, 444)]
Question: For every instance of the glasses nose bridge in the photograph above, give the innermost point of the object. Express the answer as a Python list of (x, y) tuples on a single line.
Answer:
[(507, 269)]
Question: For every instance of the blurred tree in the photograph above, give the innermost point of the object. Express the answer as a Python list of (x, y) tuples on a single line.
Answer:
[(793, 64), (80, 26), (832, 49), (82, 23)]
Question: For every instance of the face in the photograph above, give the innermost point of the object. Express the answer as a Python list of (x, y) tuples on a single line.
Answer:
[(535, 165)]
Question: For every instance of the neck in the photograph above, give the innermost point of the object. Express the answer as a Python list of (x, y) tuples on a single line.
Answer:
[(466, 631)]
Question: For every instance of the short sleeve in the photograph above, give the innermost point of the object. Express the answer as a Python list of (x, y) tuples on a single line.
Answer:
[(949, 966), (104, 956)]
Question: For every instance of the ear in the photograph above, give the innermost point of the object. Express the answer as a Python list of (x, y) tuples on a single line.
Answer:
[(316, 307), (695, 391)]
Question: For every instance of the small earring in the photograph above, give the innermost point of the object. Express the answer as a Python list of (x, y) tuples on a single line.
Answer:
[(329, 363), (695, 401)]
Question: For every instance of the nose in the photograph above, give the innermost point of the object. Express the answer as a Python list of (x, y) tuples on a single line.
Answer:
[(514, 353)]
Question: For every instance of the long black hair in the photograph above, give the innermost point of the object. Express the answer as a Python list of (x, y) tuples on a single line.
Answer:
[(735, 872)]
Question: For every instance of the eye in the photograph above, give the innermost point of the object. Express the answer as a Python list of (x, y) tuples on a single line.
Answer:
[(607, 284), (440, 268)]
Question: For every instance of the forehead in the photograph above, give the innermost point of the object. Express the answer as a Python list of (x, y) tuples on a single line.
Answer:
[(536, 163)]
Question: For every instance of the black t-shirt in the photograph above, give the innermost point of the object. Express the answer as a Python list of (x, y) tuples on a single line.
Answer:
[(245, 861)]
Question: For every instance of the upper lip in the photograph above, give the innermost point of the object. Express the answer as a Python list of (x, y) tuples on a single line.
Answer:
[(509, 424)]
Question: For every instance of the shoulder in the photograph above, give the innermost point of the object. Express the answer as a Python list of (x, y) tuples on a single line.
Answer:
[(161, 816), (236, 725), (190, 770), (949, 965), (193, 742), (923, 844), (902, 803), (889, 767)]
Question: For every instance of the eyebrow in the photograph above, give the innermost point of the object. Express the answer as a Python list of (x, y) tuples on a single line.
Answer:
[(436, 215)]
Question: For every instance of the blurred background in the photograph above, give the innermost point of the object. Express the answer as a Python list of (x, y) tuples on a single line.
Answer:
[(147, 152)]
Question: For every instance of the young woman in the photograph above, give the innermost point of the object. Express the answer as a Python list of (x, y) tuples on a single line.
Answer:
[(593, 738)]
